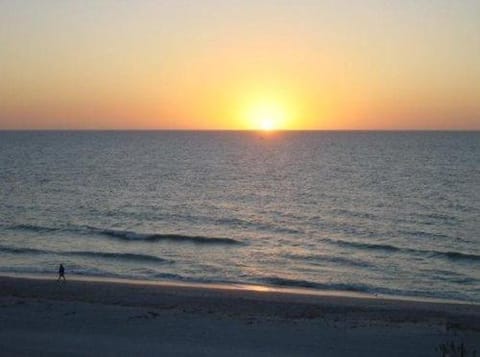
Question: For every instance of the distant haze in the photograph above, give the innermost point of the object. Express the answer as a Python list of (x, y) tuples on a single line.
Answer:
[(209, 64)]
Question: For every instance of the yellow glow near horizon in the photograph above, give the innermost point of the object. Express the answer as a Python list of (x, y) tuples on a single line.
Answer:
[(240, 65), (267, 116), (267, 124), (268, 110)]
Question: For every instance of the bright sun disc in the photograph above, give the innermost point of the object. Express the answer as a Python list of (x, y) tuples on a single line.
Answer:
[(267, 124), (267, 116)]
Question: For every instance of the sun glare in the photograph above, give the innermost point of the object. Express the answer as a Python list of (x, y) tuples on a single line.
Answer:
[(267, 116), (267, 124)]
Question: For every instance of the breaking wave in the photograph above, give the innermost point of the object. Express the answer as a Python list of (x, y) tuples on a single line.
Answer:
[(155, 237), (278, 281), (457, 256), (87, 254), (123, 256), (127, 235)]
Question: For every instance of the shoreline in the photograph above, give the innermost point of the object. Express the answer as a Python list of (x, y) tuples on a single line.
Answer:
[(91, 317), (239, 287), (157, 293)]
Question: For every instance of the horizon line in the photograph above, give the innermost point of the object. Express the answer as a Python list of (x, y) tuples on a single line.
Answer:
[(237, 130)]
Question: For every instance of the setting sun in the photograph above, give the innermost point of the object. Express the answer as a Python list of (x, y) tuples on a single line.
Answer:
[(226, 177), (239, 65), (267, 115), (267, 124)]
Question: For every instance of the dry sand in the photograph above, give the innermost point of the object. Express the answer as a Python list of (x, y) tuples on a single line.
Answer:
[(81, 317)]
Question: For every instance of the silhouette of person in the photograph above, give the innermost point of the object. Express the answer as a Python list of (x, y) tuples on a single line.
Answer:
[(61, 273)]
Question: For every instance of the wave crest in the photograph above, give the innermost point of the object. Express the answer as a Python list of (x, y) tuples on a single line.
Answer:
[(127, 235), (278, 281), (452, 255), (87, 254), (122, 256), (155, 237)]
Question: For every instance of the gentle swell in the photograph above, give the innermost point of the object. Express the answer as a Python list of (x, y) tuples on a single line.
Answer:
[(18, 250), (457, 256), (316, 258), (33, 228), (87, 254), (367, 246), (154, 237), (460, 256), (424, 234), (122, 256), (274, 280), (128, 235)]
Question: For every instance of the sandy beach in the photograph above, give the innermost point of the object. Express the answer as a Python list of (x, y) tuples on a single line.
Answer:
[(87, 317)]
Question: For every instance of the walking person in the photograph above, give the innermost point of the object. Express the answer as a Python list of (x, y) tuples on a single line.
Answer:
[(61, 273)]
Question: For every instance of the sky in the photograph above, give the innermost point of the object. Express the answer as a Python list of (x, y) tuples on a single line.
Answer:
[(231, 64)]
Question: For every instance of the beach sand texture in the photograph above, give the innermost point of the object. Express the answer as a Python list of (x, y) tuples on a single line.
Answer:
[(98, 318)]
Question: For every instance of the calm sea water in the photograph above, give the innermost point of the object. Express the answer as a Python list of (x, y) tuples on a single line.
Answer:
[(391, 213)]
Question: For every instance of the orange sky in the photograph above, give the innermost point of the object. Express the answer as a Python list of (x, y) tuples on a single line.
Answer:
[(240, 65)]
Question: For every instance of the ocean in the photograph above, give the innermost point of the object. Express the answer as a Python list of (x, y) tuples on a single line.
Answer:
[(394, 213)]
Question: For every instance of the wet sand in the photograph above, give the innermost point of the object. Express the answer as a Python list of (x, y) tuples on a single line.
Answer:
[(88, 317)]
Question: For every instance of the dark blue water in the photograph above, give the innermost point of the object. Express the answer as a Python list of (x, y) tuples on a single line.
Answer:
[(392, 213)]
